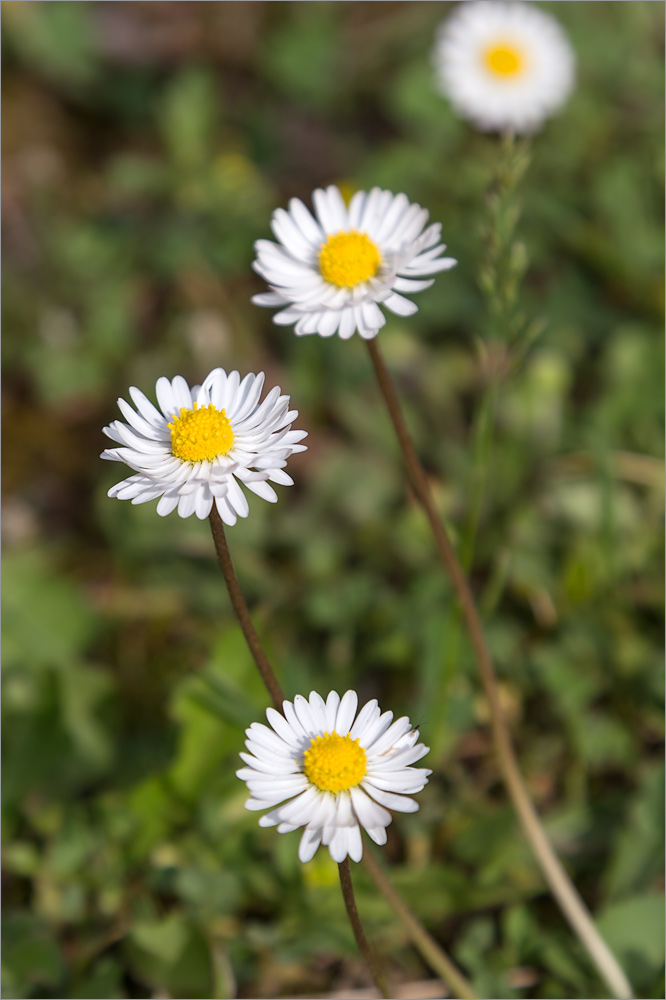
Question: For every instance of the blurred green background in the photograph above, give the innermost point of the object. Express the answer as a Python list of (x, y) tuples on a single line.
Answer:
[(145, 146)]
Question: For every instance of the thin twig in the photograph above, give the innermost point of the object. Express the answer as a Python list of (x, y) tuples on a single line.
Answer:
[(427, 945), (361, 940), (242, 612), (562, 887)]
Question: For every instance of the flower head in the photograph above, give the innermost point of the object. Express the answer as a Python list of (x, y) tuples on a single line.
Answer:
[(333, 771), (504, 66), (192, 452), (329, 272)]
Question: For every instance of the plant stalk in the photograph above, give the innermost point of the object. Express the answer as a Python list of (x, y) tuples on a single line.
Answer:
[(428, 947), (556, 876), (242, 612), (361, 940)]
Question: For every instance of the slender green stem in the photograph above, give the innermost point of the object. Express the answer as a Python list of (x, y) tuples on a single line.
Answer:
[(242, 612), (368, 954), (438, 961), (551, 866)]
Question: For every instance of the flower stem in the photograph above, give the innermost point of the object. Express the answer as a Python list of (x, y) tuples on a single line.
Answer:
[(428, 947), (361, 940), (242, 612), (561, 885), (275, 692)]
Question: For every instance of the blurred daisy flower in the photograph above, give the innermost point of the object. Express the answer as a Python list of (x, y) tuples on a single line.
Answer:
[(330, 272), (195, 449), (504, 66), (338, 770)]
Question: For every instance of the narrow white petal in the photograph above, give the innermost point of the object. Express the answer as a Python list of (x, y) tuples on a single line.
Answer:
[(399, 803), (339, 844), (318, 710), (310, 841), (368, 715), (400, 306), (283, 729), (369, 812), (306, 223), (332, 703), (347, 324), (375, 729), (355, 843), (305, 715), (346, 712)]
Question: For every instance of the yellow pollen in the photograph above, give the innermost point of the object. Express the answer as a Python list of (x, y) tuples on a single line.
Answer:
[(335, 763), (348, 258), (504, 60), (201, 433)]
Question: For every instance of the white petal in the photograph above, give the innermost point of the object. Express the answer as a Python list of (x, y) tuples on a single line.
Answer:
[(263, 490), (305, 222), (331, 209), (370, 813), (339, 844), (374, 730), (332, 703), (368, 715), (355, 843), (346, 713), (310, 841), (400, 306), (305, 716), (347, 324), (318, 711), (399, 803), (283, 729), (391, 736)]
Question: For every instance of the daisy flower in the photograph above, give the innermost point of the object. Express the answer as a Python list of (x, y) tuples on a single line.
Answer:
[(504, 66), (195, 449), (338, 770), (330, 272)]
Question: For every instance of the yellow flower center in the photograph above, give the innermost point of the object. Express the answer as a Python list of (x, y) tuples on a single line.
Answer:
[(335, 763), (201, 433), (504, 60), (348, 258)]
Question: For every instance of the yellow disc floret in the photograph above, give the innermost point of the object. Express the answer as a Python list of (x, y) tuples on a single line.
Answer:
[(504, 60), (200, 434), (348, 258), (335, 763)]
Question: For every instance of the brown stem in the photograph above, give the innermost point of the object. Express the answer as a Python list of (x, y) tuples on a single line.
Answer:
[(357, 927), (551, 866), (428, 947), (241, 609)]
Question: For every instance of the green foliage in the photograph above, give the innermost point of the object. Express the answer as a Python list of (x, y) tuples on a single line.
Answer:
[(145, 147)]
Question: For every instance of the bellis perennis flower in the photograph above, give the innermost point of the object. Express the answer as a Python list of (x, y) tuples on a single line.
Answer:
[(504, 66), (338, 770), (193, 450), (330, 272)]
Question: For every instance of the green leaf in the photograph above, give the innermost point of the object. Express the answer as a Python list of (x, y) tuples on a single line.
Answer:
[(47, 620), (634, 930)]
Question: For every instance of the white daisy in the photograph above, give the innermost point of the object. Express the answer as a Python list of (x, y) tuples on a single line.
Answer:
[(203, 441), (338, 774), (504, 66), (329, 271)]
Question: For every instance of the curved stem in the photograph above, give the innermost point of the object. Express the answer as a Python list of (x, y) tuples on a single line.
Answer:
[(361, 940), (430, 950), (241, 609), (561, 885)]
